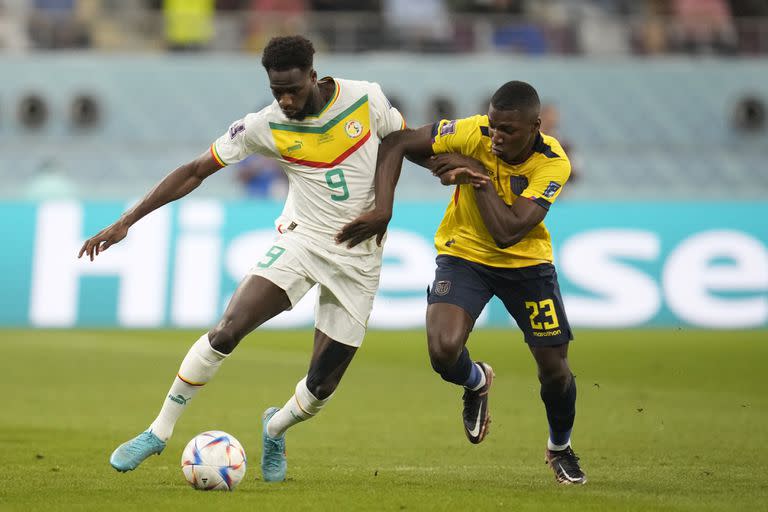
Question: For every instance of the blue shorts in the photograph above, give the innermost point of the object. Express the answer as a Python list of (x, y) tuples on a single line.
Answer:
[(530, 294)]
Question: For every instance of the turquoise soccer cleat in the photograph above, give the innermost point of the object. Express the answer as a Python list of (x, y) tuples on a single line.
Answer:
[(131, 453), (273, 463)]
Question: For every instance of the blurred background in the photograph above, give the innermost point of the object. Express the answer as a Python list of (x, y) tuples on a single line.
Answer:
[(660, 104)]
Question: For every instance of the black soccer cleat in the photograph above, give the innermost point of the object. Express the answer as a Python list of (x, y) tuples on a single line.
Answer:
[(476, 414), (565, 464)]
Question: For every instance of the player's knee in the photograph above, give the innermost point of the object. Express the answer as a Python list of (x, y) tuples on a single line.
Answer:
[(223, 337), (444, 352), (555, 381)]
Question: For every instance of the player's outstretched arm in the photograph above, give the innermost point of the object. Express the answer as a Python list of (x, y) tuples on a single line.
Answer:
[(413, 143), (451, 168), (507, 224), (177, 184), (458, 169), (389, 163)]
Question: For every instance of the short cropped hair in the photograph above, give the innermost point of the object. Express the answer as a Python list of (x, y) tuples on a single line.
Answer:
[(284, 53), (516, 95)]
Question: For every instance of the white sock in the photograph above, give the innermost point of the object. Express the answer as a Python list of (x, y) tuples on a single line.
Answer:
[(197, 368), (301, 406), (557, 447)]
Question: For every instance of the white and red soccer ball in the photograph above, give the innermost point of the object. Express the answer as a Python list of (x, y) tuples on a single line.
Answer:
[(213, 460)]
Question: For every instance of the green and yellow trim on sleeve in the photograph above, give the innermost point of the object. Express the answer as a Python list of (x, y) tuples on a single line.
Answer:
[(216, 156)]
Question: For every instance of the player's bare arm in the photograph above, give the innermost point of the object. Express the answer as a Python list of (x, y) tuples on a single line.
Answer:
[(451, 168), (389, 163), (508, 224), (417, 146), (175, 185)]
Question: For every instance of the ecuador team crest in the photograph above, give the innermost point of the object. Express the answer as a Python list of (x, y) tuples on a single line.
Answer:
[(442, 287)]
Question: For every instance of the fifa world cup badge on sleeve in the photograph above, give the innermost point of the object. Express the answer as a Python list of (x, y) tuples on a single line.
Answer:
[(448, 128), (236, 128), (551, 189)]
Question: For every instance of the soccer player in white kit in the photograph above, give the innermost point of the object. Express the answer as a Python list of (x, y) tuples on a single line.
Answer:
[(325, 134)]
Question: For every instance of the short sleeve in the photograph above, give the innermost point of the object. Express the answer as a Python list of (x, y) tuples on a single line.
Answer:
[(453, 135), (546, 182), (244, 137), (388, 119)]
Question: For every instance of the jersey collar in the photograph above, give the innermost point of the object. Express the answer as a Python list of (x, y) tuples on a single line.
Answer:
[(334, 97)]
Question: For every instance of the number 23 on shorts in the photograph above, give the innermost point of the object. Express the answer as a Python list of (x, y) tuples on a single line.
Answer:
[(546, 308)]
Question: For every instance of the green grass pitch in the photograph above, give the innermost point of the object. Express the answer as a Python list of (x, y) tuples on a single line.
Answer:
[(667, 420)]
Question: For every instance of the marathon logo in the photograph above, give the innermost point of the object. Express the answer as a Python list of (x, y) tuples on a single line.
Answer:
[(540, 334)]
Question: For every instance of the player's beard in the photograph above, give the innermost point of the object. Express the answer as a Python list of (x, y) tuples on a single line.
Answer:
[(298, 116)]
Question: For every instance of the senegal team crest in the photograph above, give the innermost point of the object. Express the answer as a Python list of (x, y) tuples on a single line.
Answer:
[(353, 128)]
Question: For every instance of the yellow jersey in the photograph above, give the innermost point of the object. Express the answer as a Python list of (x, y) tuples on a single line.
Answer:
[(462, 232)]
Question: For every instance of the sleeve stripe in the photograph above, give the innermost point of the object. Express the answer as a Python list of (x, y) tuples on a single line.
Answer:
[(540, 201), (216, 155), (435, 128)]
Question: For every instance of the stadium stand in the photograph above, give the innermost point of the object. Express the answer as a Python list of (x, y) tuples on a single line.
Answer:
[(636, 125)]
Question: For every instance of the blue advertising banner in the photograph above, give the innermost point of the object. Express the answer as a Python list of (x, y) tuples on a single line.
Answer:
[(619, 265)]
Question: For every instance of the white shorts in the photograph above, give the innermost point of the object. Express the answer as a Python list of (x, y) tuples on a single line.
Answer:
[(348, 283)]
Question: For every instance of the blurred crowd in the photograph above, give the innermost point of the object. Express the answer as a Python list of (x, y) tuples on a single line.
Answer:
[(531, 27)]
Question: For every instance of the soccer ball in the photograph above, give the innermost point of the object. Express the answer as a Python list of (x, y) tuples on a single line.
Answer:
[(213, 460)]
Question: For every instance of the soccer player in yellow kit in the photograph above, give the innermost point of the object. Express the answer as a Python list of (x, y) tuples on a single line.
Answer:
[(492, 241)]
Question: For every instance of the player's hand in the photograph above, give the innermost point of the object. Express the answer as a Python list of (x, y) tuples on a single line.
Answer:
[(364, 227), (445, 162), (462, 176), (103, 240), (455, 169)]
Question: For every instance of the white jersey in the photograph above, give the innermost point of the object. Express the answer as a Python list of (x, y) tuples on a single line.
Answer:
[(329, 158)]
